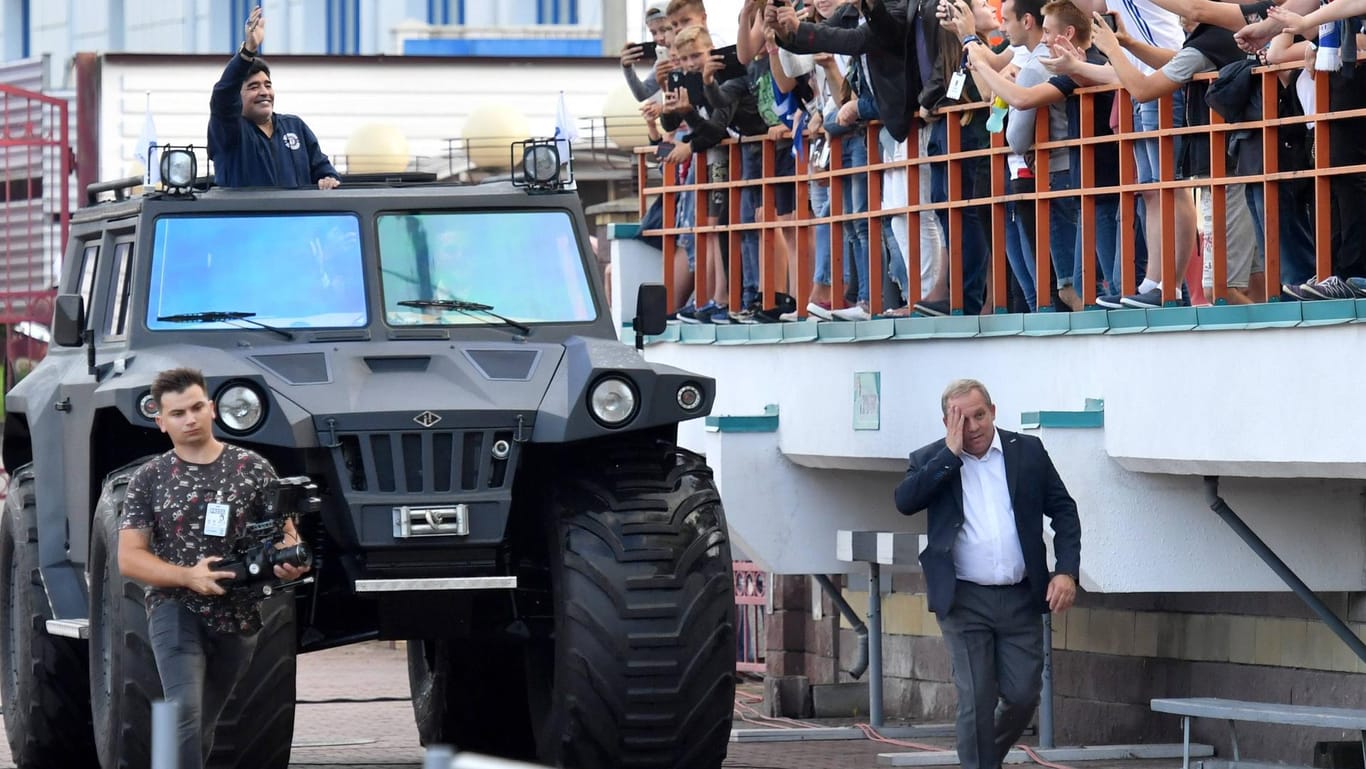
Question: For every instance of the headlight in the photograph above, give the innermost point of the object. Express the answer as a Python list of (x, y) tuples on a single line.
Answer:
[(541, 164), (178, 169), (240, 408), (612, 402), (690, 397), (147, 406)]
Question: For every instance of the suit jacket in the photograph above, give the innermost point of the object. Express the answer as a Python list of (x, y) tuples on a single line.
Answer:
[(934, 482), (886, 60)]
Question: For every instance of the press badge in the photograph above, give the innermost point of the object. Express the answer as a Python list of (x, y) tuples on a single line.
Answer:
[(956, 83), (216, 519)]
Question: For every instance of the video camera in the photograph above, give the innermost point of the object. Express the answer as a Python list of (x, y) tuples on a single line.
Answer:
[(255, 557)]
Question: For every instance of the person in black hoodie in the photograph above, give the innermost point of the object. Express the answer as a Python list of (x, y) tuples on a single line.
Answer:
[(251, 144)]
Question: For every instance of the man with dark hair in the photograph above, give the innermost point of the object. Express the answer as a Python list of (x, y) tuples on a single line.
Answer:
[(986, 569), (183, 511), (250, 144)]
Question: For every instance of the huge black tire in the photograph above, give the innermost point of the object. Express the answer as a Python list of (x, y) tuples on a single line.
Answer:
[(43, 677), (472, 696), (644, 647), (257, 726), (256, 730), (639, 671), (124, 681)]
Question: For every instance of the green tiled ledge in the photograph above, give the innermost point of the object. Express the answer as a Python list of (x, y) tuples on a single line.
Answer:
[(758, 423), (1092, 415), (1127, 321)]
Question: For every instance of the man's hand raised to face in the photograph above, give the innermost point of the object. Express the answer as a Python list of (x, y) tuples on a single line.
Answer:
[(953, 424), (256, 30)]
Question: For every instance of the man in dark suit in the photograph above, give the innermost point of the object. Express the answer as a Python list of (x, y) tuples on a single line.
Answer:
[(987, 492)]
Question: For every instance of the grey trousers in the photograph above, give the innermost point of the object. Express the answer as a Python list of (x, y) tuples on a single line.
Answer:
[(995, 641), (199, 669)]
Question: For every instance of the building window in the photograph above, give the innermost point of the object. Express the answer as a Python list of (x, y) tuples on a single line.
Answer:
[(343, 26)]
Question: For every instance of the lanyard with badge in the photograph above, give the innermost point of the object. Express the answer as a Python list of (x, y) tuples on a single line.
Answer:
[(216, 516), (960, 78)]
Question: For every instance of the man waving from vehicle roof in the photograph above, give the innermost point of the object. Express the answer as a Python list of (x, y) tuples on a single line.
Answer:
[(251, 144)]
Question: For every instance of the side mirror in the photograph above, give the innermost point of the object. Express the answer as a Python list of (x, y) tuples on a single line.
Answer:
[(68, 320), (651, 312)]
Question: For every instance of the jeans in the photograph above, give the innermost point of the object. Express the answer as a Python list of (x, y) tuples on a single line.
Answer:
[(1297, 239), (1107, 242), (820, 206), (198, 668), (1020, 256), (976, 220), (855, 155), (751, 167), (685, 208), (895, 231), (1062, 232)]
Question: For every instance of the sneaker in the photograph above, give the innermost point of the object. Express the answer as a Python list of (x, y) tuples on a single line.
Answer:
[(786, 305), (719, 315), (857, 312), (1150, 299), (788, 317), (691, 314), (1110, 301), (673, 317), (819, 310), (1358, 285), (935, 308), (1296, 293), (1331, 287)]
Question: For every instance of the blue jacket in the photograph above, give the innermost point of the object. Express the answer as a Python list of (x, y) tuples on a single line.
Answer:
[(242, 154), (934, 482)]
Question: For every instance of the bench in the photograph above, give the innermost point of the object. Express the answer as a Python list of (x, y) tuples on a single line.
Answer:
[(1261, 712)]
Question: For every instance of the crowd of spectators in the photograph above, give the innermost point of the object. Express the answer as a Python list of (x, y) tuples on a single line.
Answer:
[(816, 77)]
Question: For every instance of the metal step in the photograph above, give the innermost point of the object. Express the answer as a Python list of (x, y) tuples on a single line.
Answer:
[(69, 628), (435, 583)]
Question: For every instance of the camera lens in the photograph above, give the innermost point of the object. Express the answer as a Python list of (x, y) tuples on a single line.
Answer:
[(295, 555)]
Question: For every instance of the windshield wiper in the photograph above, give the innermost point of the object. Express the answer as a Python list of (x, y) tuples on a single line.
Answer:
[(220, 316), (466, 308)]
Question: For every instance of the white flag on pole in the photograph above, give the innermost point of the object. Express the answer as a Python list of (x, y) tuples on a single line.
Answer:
[(565, 130), (143, 151)]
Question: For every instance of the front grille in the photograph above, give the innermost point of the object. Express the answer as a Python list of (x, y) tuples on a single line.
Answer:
[(424, 461)]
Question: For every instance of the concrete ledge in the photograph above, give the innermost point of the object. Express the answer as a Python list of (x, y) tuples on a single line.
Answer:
[(765, 423), (1017, 756)]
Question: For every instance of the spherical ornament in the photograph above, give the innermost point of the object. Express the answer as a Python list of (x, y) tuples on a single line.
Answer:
[(377, 148), (489, 133)]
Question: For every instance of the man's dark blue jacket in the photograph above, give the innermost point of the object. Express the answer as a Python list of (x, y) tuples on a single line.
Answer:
[(934, 481), (242, 154)]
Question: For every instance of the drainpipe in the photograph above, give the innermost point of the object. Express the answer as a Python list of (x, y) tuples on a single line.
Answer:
[(1333, 621), (847, 611)]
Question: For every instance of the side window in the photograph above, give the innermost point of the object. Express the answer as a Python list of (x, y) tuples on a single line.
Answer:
[(87, 280), (118, 298)]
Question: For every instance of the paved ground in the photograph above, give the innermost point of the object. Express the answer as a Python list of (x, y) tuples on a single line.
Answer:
[(375, 729)]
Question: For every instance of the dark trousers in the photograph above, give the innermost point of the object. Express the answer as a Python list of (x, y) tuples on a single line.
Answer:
[(1348, 190), (995, 641), (199, 669)]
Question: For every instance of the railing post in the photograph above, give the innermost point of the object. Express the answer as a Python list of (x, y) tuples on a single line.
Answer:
[(165, 745), (875, 644), (1046, 696)]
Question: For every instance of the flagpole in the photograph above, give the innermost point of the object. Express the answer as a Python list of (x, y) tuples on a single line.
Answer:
[(147, 167)]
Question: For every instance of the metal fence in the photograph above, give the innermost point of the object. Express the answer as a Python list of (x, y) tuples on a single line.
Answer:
[(751, 607)]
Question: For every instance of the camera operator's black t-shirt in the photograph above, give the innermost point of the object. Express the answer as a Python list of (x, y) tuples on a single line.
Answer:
[(168, 497)]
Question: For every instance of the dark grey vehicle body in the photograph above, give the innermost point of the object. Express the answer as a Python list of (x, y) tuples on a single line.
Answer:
[(560, 567), (375, 411)]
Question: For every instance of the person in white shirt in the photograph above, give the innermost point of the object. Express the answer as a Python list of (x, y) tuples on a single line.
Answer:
[(987, 492)]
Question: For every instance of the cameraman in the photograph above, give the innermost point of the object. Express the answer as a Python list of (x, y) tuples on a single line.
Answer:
[(183, 512)]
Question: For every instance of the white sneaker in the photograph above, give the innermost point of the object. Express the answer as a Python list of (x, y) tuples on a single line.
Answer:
[(817, 311), (788, 317), (857, 312)]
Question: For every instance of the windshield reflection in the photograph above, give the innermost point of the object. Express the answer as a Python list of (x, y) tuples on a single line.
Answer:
[(297, 271), (525, 264)]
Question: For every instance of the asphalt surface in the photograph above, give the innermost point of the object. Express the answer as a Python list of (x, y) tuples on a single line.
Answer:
[(354, 713)]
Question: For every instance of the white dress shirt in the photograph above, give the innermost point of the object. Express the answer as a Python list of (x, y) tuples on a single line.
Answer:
[(988, 547)]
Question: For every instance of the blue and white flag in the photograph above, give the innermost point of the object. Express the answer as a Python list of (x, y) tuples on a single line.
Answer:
[(565, 130), (145, 150)]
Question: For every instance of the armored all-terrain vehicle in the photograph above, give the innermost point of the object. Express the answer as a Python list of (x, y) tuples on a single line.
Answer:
[(499, 477)]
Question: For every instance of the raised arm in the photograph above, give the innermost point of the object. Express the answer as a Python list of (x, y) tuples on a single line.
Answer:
[(925, 477), (1220, 14), (1140, 86)]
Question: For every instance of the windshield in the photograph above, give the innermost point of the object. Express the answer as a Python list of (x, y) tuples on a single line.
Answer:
[(524, 265), (296, 271)]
